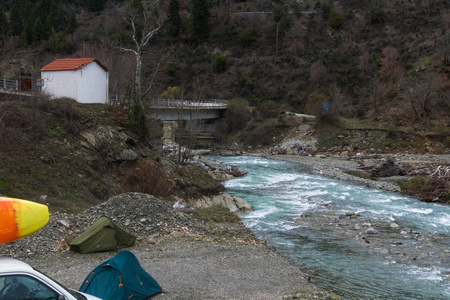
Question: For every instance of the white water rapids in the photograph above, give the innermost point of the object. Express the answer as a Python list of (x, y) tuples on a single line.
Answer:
[(280, 192)]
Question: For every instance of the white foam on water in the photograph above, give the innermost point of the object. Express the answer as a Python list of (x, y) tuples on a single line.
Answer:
[(432, 274), (313, 193), (444, 220), (284, 242), (287, 226), (273, 223), (425, 211), (296, 205), (284, 178), (260, 213), (387, 200)]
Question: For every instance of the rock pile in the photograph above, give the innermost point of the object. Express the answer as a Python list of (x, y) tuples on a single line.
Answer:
[(140, 214)]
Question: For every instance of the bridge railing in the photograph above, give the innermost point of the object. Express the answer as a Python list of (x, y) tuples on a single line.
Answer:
[(213, 103)]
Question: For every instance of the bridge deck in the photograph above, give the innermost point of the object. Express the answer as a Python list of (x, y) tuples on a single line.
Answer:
[(188, 104)]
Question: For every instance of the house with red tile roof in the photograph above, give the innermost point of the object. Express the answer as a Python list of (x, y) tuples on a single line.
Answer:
[(84, 79)]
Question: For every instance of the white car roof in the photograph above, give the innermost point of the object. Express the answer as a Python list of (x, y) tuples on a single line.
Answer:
[(11, 264)]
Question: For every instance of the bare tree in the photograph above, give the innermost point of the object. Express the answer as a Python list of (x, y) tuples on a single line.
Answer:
[(318, 74), (145, 20), (378, 90), (189, 127), (426, 92), (390, 69), (364, 65)]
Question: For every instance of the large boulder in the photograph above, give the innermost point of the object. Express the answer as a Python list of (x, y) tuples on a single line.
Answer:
[(234, 204)]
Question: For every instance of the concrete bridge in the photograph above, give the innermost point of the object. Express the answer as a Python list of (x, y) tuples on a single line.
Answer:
[(187, 110), (198, 117)]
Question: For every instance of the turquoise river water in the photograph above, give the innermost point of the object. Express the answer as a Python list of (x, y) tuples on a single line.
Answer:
[(281, 191)]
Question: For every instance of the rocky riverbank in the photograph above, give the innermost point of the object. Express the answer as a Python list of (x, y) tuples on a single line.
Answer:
[(189, 258)]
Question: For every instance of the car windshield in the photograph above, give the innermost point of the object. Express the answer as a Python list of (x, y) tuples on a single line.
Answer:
[(74, 293)]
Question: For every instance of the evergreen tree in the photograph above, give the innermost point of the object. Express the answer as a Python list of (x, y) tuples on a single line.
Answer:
[(4, 26), (40, 19), (173, 18), (96, 5), (16, 20), (72, 22), (39, 32), (200, 28), (27, 34)]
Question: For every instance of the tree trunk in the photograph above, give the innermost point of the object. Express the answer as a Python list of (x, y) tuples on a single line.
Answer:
[(138, 78)]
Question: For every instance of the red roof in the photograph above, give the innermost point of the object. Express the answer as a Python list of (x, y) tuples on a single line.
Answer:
[(69, 64)]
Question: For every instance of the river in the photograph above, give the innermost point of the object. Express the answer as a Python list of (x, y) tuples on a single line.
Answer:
[(407, 258)]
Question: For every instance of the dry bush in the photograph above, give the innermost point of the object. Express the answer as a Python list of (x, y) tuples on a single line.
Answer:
[(428, 189), (20, 122), (150, 178), (65, 109), (390, 68)]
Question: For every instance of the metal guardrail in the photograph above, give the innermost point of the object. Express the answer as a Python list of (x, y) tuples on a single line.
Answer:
[(10, 84), (213, 103), (171, 103), (14, 84)]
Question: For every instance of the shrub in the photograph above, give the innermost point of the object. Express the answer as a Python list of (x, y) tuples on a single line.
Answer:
[(149, 177), (220, 64), (377, 15), (224, 33), (61, 43), (326, 9), (315, 104), (215, 214), (237, 114), (250, 35), (268, 109), (260, 135), (429, 189), (172, 92), (336, 19)]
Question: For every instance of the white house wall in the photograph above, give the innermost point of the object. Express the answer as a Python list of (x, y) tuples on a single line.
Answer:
[(59, 84), (92, 84)]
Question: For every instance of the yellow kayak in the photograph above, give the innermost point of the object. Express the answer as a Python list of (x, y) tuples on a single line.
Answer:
[(20, 218)]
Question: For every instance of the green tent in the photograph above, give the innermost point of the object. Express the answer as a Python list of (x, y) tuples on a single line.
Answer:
[(103, 235)]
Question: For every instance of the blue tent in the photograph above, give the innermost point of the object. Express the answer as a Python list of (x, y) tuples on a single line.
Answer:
[(120, 277)]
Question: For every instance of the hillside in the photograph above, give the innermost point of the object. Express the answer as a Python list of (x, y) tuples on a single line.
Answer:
[(73, 156), (382, 62)]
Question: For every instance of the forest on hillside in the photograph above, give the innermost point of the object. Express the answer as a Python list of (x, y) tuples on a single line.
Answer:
[(386, 61)]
